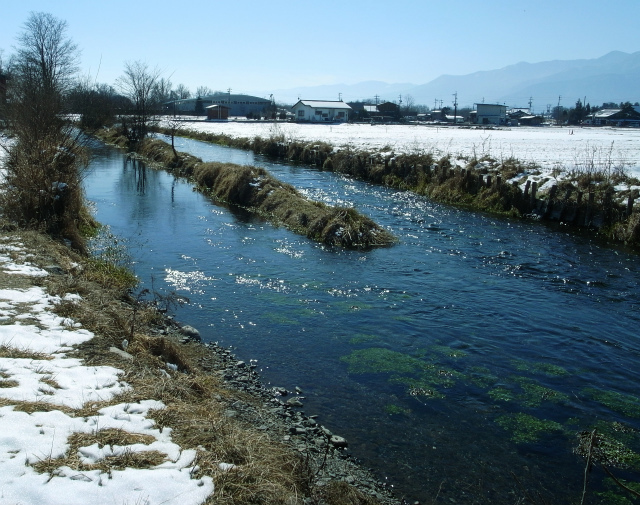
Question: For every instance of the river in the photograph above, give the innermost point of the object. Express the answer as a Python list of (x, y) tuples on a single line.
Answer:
[(459, 363)]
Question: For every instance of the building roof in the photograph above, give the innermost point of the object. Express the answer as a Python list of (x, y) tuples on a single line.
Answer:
[(324, 104), (606, 112), (491, 105), (370, 108)]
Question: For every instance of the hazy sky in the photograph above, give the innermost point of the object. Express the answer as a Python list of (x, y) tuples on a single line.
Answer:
[(264, 45)]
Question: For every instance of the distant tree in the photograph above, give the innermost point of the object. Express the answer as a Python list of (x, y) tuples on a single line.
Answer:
[(626, 107), (409, 106), (577, 114), (182, 92), (199, 110), (95, 103), (138, 84), (203, 91), (162, 90)]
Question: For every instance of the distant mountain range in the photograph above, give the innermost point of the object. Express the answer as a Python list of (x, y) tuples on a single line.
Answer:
[(614, 77)]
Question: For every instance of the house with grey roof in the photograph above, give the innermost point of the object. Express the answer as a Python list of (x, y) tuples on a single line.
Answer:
[(321, 111), (614, 117)]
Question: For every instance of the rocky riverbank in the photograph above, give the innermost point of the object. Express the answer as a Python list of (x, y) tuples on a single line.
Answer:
[(279, 412)]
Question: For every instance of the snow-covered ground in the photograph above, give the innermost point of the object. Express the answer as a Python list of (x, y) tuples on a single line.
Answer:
[(42, 373), (568, 147)]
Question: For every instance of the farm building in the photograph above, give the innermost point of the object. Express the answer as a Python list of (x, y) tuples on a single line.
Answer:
[(319, 111), (238, 105), (489, 113), (217, 112)]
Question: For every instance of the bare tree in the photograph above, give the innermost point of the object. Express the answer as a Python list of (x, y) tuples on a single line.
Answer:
[(182, 92), (42, 187), (45, 56), (138, 84), (204, 91), (409, 108), (162, 90)]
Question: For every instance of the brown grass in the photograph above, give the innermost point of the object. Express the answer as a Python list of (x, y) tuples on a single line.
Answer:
[(253, 188), (7, 351)]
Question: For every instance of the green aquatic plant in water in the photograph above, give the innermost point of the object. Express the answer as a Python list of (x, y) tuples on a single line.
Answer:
[(534, 394), (606, 450), (418, 388), (540, 368), (393, 409), (501, 394), (526, 428), (447, 351), (363, 338), (481, 376), (280, 319), (380, 360), (623, 403)]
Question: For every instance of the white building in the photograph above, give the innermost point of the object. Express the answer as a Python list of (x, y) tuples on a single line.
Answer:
[(491, 113), (319, 111)]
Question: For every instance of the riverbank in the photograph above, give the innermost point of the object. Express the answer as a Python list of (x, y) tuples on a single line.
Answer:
[(596, 194), (116, 401), (255, 190)]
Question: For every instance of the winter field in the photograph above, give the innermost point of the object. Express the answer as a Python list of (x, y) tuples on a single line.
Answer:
[(566, 148)]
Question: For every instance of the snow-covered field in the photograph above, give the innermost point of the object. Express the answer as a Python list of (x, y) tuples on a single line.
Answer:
[(40, 373), (548, 147)]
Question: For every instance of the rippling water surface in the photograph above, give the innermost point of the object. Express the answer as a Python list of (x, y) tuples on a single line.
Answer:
[(460, 362)]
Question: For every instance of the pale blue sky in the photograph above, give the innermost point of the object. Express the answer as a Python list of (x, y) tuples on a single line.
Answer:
[(265, 45)]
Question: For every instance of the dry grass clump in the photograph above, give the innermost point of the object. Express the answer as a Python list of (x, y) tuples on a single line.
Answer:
[(127, 458), (161, 348), (628, 231), (8, 351), (341, 493), (253, 188), (264, 471), (160, 152), (42, 187)]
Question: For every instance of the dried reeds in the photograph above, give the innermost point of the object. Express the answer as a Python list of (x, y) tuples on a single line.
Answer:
[(254, 189)]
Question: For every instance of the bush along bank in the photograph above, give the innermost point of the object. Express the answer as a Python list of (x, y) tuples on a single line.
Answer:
[(585, 199), (254, 189)]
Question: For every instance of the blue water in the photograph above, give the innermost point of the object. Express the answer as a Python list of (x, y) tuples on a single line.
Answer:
[(422, 355)]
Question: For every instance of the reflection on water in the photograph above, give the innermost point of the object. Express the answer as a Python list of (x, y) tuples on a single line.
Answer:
[(459, 362)]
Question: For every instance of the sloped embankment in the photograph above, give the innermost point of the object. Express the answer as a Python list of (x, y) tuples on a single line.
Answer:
[(254, 189)]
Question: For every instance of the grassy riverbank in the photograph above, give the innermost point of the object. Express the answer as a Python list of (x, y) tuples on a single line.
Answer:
[(588, 197), (241, 437), (254, 189)]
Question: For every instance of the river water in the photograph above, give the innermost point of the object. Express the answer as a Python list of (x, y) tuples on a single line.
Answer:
[(459, 363)]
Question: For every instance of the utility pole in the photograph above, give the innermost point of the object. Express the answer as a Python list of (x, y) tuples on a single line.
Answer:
[(530, 102), (377, 97), (455, 107), (435, 104), (558, 109)]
